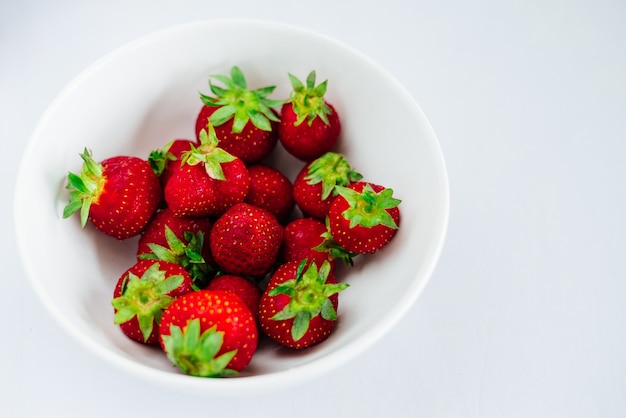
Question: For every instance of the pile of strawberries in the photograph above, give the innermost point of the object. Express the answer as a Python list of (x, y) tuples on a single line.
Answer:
[(229, 248)]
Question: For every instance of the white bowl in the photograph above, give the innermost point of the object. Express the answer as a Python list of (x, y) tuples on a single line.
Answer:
[(142, 95)]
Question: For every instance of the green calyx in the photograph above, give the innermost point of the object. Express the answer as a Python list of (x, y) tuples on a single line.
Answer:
[(335, 251), (209, 154), (145, 297), (237, 102), (159, 158), (188, 255), (307, 99), (309, 297), (85, 188), (369, 208), (331, 170), (195, 353)]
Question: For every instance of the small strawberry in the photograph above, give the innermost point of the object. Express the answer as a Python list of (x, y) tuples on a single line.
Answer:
[(245, 240), (230, 110), (314, 186), (165, 161), (308, 141), (364, 217), (209, 333), (271, 190), (209, 182), (308, 239), (179, 239), (141, 295), (299, 306), (245, 288), (118, 195)]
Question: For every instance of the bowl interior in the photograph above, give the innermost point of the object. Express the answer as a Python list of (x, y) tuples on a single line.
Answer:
[(146, 93)]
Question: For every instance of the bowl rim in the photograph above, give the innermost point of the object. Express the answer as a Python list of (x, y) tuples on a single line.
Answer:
[(273, 380)]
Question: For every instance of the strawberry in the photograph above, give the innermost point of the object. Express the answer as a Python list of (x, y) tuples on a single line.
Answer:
[(314, 186), (364, 217), (209, 333), (165, 161), (179, 239), (143, 292), (308, 238), (299, 306), (210, 181), (271, 190), (245, 240), (245, 288), (118, 195), (308, 141), (230, 110)]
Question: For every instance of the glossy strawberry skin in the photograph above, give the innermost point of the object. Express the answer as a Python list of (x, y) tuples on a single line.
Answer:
[(219, 308), (301, 236), (191, 192), (281, 330), (250, 145), (308, 142), (246, 240), (245, 288), (308, 197), (131, 328), (271, 190), (359, 239), (130, 195)]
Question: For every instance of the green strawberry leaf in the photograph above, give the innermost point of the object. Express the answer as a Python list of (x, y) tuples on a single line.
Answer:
[(196, 353), (309, 297), (237, 102), (368, 208)]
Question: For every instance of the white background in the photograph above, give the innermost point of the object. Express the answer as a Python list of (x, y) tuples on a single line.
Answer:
[(525, 314)]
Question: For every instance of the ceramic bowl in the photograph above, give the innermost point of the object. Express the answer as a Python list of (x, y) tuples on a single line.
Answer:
[(146, 93)]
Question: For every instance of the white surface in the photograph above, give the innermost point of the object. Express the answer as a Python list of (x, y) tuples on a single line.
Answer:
[(524, 316), (148, 94)]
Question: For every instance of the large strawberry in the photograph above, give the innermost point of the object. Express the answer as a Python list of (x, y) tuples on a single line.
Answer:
[(309, 239), (243, 118), (182, 240), (299, 306), (271, 190), (143, 292), (314, 186), (209, 333), (364, 217), (118, 195), (309, 125), (210, 181), (246, 240)]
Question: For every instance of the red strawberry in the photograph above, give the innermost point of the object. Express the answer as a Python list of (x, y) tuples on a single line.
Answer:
[(308, 239), (230, 110), (209, 182), (143, 292), (245, 288), (364, 217), (245, 240), (299, 306), (179, 239), (307, 141), (271, 190), (209, 333), (165, 161), (314, 186), (118, 195)]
